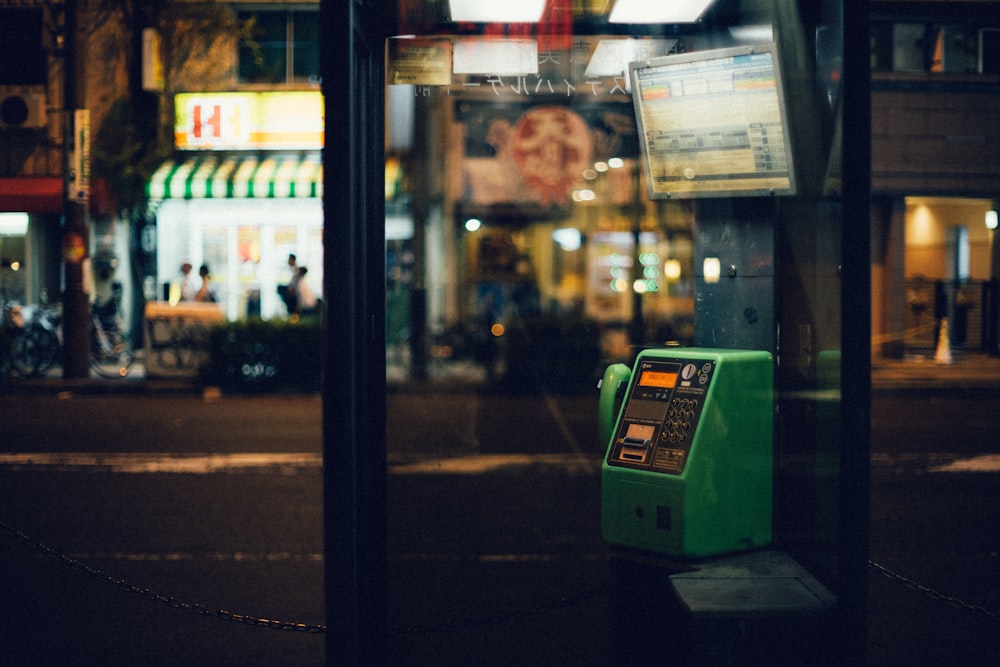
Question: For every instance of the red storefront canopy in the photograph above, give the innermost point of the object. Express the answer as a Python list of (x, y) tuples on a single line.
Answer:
[(28, 194)]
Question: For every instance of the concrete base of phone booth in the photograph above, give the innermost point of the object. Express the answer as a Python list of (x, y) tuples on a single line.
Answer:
[(752, 608)]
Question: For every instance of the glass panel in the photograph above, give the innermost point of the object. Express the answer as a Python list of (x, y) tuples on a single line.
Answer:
[(305, 48), (526, 253), (263, 60)]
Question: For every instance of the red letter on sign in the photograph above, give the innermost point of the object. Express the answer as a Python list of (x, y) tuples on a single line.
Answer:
[(214, 121)]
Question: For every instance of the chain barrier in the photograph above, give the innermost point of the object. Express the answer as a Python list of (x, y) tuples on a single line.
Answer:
[(913, 332), (931, 593), (148, 594), (288, 626), (256, 621)]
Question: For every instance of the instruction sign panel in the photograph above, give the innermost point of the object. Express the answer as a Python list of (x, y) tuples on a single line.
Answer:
[(713, 124), (420, 62)]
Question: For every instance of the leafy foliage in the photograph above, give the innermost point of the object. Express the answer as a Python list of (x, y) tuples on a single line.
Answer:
[(136, 134), (266, 355)]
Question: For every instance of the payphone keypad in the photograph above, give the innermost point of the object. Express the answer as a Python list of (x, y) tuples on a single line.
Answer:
[(661, 415)]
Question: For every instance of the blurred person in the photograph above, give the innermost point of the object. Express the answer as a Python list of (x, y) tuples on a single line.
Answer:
[(305, 301), (206, 293), (188, 290), (287, 291)]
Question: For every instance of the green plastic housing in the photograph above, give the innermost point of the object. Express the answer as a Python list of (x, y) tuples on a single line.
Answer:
[(689, 466)]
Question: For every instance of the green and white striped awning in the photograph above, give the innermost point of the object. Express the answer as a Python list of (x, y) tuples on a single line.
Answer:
[(228, 176)]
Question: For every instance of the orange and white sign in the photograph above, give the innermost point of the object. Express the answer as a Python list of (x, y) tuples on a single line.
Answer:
[(247, 120)]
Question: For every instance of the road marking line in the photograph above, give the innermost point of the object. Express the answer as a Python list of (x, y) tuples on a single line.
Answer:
[(284, 556), (476, 464), (157, 463), (238, 556), (204, 464), (482, 463), (983, 463)]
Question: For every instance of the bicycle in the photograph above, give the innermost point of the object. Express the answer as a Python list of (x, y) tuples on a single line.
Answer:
[(111, 352), (38, 348), (32, 334)]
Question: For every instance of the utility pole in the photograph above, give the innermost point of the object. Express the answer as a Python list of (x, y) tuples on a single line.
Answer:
[(76, 230)]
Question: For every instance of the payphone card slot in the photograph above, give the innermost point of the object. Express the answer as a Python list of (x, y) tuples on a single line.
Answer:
[(636, 443)]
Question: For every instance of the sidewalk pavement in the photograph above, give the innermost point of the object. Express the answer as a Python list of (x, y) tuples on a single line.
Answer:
[(915, 373), (922, 373)]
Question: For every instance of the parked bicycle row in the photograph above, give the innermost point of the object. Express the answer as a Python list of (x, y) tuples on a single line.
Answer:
[(32, 340)]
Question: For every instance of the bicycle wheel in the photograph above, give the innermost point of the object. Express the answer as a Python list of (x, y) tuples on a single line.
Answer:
[(111, 356), (35, 351)]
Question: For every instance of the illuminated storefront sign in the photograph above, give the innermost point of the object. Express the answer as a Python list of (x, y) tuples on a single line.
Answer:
[(249, 121)]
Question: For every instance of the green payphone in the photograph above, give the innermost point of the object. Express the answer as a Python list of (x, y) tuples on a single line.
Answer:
[(689, 461)]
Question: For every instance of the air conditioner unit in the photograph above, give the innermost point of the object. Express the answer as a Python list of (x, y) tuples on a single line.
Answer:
[(22, 107)]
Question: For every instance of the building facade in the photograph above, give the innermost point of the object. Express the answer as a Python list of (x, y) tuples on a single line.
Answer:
[(935, 75), (935, 174)]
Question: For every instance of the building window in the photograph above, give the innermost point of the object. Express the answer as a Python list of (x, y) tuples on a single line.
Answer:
[(22, 59), (281, 47)]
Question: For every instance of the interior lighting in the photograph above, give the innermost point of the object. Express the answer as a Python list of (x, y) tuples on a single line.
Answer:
[(616, 163), (752, 34), (658, 11), (473, 224), (568, 238), (507, 11), (612, 56), (672, 269), (601, 167), (13, 224), (991, 219), (509, 57), (645, 286), (711, 269)]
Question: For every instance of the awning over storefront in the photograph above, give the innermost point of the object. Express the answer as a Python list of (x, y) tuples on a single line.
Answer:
[(40, 194), (228, 176)]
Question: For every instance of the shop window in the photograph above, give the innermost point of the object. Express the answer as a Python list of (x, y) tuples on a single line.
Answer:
[(280, 47), (935, 47)]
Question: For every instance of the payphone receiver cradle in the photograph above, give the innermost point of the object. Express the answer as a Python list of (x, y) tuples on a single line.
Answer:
[(688, 469)]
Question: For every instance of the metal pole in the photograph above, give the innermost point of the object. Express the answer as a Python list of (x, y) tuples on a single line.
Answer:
[(76, 232), (354, 402)]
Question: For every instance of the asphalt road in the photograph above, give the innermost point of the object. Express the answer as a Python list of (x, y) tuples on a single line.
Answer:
[(495, 552), (935, 499)]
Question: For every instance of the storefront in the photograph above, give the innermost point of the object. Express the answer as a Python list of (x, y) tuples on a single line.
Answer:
[(30, 209), (243, 194)]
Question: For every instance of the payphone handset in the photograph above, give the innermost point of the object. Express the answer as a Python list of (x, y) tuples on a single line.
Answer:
[(689, 462)]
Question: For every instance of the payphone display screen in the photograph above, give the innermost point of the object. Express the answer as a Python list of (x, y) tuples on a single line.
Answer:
[(657, 379), (661, 415)]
